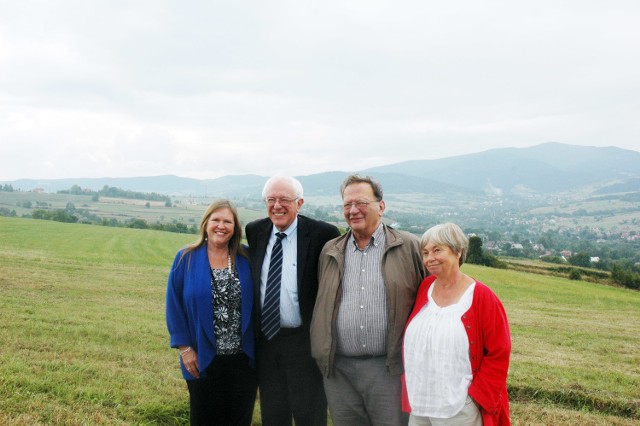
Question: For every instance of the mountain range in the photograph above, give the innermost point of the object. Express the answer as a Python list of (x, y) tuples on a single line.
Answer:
[(542, 169)]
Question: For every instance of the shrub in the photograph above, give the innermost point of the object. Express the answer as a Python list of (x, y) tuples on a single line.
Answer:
[(625, 276), (575, 275), (493, 262), (553, 259)]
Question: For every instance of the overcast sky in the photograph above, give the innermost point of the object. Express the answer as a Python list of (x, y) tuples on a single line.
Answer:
[(109, 88)]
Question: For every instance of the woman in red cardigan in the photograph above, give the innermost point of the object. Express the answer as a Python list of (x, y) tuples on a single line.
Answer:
[(457, 342)]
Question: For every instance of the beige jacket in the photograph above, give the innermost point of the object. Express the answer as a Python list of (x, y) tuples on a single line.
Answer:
[(402, 271)]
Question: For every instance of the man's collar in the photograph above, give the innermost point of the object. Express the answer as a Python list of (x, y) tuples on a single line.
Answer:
[(376, 238), (290, 230)]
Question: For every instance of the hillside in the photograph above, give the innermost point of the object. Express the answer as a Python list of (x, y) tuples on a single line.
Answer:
[(548, 199), (547, 168), (82, 309)]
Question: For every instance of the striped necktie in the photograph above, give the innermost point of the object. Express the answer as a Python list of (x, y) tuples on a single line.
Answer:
[(271, 308)]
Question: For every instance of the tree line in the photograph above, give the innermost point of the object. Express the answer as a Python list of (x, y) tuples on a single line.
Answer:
[(73, 215), (113, 192)]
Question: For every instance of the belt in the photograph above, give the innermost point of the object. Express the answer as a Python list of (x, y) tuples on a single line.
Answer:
[(286, 331), (363, 356)]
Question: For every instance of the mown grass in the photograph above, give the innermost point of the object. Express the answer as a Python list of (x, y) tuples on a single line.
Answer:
[(576, 346), (84, 340)]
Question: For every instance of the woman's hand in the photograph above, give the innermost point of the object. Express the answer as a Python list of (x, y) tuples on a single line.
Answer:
[(190, 360)]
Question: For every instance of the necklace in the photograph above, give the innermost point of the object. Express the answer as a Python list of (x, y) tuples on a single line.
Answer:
[(212, 262)]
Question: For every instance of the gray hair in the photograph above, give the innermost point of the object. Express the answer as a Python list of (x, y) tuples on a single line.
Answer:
[(291, 181), (355, 178), (450, 235)]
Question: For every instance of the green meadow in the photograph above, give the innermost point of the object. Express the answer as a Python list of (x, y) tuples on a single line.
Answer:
[(84, 341)]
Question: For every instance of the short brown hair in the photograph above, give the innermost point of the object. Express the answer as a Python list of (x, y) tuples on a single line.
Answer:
[(355, 178)]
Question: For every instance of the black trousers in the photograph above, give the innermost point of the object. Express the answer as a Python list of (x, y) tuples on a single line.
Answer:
[(290, 382), (226, 395)]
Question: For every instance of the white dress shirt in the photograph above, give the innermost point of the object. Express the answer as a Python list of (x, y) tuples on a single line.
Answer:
[(289, 308)]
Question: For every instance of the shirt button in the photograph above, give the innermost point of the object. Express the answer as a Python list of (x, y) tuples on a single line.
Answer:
[(364, 345), (361, 306), (363, 270), (362, 288), (362, 327)]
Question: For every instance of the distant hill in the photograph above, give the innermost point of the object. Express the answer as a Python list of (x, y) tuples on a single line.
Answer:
[(543, 169), (166, 184), (392, 183), (547, 168)]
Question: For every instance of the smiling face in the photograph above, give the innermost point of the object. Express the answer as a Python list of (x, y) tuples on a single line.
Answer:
[(363, 220), (440, 260), (220, 227), (282, 204)]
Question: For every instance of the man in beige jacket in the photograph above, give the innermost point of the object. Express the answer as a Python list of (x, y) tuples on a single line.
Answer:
[(367, 284)]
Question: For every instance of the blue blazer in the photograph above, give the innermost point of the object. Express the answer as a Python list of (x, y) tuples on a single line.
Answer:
[(189, 311)]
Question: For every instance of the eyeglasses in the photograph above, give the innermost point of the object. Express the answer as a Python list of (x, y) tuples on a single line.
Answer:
[(360, 205), (271, 201)]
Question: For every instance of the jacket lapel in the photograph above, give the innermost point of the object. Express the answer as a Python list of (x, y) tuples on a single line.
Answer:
[(304, 239), (262, 240)]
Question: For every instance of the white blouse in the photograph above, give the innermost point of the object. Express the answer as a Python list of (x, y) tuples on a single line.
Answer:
[(436, 357)]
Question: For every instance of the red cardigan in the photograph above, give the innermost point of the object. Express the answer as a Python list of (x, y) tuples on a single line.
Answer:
[(489, 350)]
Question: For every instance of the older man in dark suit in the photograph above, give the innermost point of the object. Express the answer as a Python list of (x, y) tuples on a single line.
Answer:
[(284, 251)]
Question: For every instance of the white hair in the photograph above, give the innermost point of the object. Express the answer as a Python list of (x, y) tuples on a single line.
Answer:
[(291, 181)]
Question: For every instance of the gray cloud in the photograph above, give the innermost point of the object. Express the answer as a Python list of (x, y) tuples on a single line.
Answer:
[(203, 89)]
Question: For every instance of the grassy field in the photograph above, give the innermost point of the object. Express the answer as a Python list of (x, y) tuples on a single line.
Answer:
[(84, 340)]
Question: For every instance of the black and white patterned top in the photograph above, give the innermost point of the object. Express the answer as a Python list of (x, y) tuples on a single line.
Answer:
[(227, 314)]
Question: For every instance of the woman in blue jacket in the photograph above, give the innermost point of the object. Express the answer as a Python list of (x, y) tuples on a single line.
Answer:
[(209, 305)]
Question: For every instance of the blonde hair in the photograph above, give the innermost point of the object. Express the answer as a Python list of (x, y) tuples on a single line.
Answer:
[(450, 235), (234, 243)]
